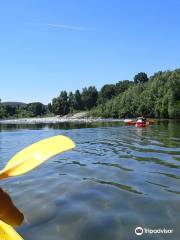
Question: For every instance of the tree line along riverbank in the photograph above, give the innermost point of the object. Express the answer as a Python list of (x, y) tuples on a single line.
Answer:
[(155, 96)]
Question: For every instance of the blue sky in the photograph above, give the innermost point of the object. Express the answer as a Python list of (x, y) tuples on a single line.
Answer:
[(51, 45)]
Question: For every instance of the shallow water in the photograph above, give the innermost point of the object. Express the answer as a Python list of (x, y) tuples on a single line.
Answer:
[(118, 177)]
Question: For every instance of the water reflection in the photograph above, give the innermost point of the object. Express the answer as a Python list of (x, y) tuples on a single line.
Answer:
[(63, 125), (115, 184)]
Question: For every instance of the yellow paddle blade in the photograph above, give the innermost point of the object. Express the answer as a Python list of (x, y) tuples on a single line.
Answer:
[(35, 154), (8, 233)]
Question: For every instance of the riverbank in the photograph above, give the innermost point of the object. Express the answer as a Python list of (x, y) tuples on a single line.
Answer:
[(78, 117)]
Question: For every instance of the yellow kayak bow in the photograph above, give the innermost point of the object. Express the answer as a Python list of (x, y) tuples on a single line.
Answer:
[(8, 233)]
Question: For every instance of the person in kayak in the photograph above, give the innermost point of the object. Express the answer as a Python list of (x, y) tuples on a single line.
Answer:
[(9, 213), (144, 120), (141, 119)]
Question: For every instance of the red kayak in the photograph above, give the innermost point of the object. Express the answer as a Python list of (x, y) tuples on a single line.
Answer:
[(142, 124)]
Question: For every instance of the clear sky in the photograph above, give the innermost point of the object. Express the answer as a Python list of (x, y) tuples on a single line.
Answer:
[(51, 45)]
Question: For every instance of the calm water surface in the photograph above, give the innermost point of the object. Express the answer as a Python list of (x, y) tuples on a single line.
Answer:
[(117, 178)]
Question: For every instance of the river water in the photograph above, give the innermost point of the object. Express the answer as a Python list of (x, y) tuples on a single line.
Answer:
[(117, 178)]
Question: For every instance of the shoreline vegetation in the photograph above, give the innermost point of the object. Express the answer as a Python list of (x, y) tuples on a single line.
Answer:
[(157, 96)]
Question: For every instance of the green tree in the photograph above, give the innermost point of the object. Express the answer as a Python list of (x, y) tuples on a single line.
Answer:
[(122, 86), (71, 102), (49, 106), (3, 113), (141, 78), (60, 105), (78, 103), (11, 110), (36, 108), (106, 92), (89, 97), (55, 106), (159, 97)]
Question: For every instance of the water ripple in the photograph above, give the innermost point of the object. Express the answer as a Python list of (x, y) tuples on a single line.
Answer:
[(118, 177)]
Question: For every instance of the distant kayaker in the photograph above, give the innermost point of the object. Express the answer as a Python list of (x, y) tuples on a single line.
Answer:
[(141, 119), (141, 122), (8, 211), (144, 119)]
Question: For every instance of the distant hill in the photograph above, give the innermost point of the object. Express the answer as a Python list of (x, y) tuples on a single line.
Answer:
[(14, 104)]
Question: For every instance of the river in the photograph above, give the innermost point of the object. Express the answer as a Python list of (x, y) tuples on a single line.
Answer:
[(117, 178)]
